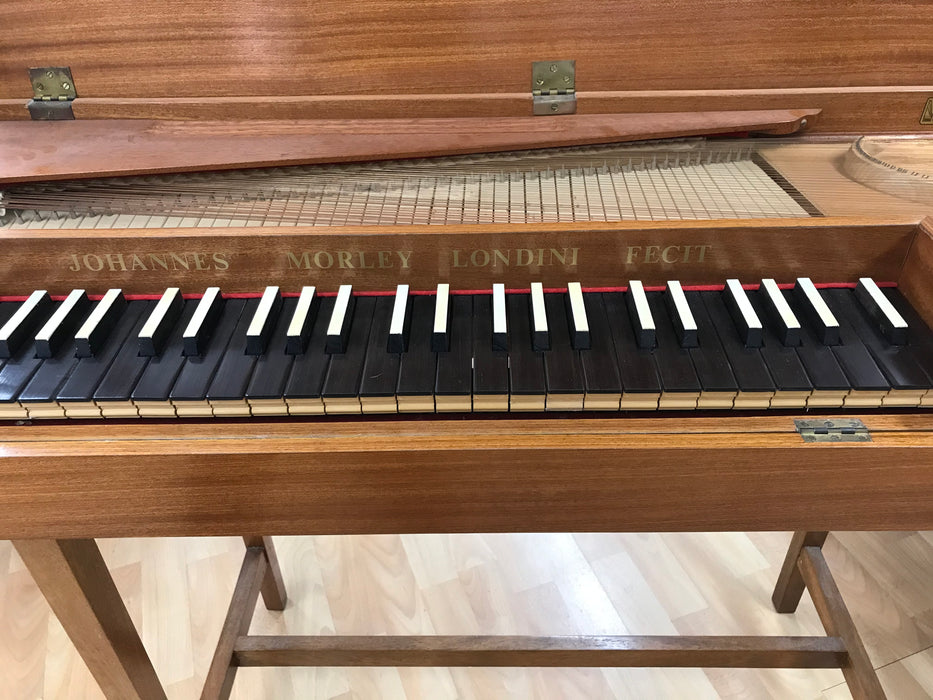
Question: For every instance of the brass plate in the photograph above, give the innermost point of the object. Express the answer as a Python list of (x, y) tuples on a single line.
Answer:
[(926, 117)]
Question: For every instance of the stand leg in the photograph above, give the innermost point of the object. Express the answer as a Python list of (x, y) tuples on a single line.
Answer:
[(790, 583), (859, 674), (75, 581), (273, 586)]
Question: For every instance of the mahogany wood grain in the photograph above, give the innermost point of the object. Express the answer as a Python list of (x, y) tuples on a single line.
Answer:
[(857, 110), (858, 670), (378, 47), (473, 475), (790, 585), (576, 651), (74, 579), (222, 672), (273, 586), (90, 148), (916, 279), (378, 258)]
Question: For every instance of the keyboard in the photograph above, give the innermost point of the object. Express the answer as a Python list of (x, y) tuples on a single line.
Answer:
[(303, 352)]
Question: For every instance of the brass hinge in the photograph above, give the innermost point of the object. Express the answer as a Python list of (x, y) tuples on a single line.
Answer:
[(53, 89), (553, 87), (838, 430)]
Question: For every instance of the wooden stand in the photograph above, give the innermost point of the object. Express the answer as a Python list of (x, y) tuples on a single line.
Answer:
[(74, 579)]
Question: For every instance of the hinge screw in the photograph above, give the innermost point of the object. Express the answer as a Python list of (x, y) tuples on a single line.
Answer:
[(553, 68), (555, 107), (49, 74), (40, 87), (803, 123), (539, 81), (566, 78), (66, 86)]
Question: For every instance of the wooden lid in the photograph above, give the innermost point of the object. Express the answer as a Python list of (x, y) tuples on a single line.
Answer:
[(862, 62)]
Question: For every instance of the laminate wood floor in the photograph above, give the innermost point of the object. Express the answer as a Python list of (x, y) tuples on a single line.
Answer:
[(177, 591)]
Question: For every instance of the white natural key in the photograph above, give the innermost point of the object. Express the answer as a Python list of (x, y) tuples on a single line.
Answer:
[(787, 326), (440, 338), (642, 319), (339, 326), (684, 322), (299, 327), (500, 335), (746, 320), (539, 331), (401, 315), (882, 311), (579, 325), (260, 326), (817, 313)]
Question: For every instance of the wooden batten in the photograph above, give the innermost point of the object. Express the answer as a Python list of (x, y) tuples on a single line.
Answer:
[(144, 261), (916, 279)]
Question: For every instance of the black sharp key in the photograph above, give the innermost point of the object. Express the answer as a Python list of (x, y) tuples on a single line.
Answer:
[(417, 373), (273, 367), (236, 366), (775, 313), (164, 318), (898, 365), (675, 365), (681, 314), (600, 371), (346, 369), (262, 321), (400, 320), (639, 312), (749, 368), (885, 317), (200, 328), (158, 378), (21, 327), (709, 357), (120, 380), (440, 335), (782, 360), (638, 370), (104, 317), (812, 311), (921, 337), (51, 374), (540, 336), (302, 321), (743, 315), (198, 370), (380, 368), (18, 370), (562, 369), (860, 369), (62, 325), (338, 325), (89, 372), (490, 366), (306, 379), (526, 366), (454, 364)]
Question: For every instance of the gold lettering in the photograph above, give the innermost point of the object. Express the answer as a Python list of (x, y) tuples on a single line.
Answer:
[(320, 257), (75, 263), (343, 259), (114, 261), (702, 256), (633, 251), (385, 259), (475, 258), (457, 262), (652, 253), (363, 264), (138, 263), (179, 260), (540, 257), (220, 261), (303, 262), (499, 255), (98, 262), (561, 256), (667, 250), (199, 261), (573, 256), (524, 257), (158, 260), (405, 257)]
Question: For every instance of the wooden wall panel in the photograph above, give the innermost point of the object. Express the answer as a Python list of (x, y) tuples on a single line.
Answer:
[(122, 48)]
